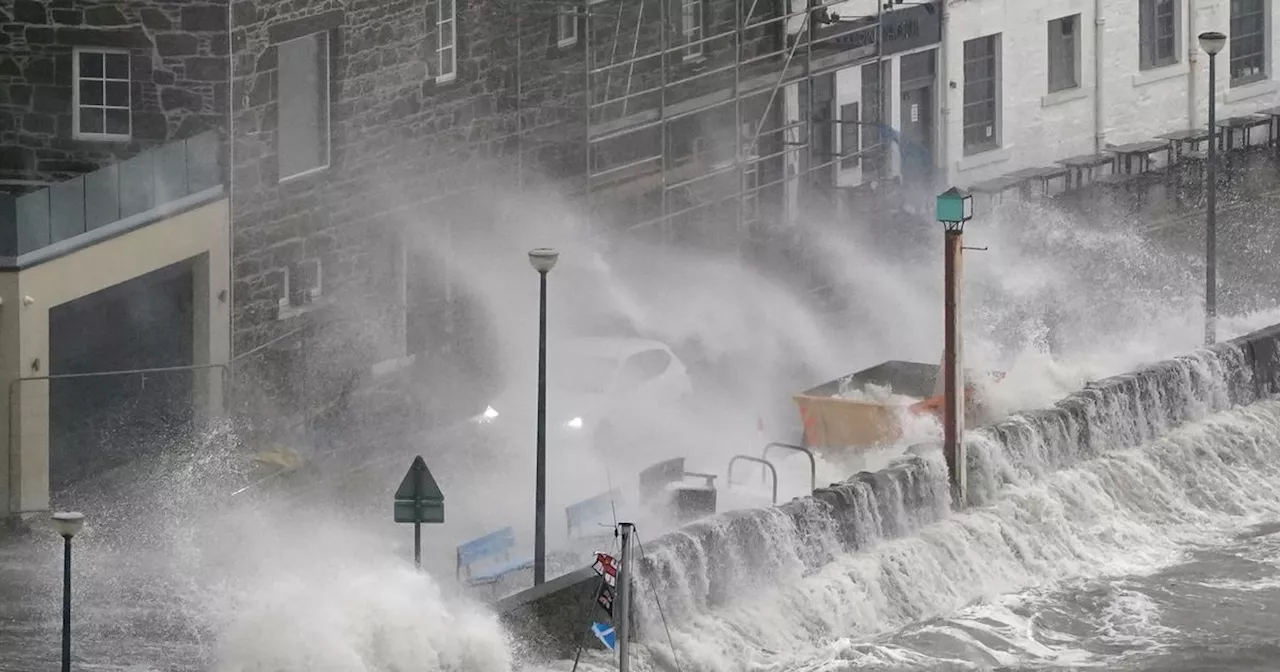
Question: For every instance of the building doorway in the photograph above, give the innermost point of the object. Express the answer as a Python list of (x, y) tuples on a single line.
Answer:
[(917, 117)]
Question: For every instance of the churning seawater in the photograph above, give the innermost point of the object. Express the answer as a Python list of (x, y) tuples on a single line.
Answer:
[(1134, 553)]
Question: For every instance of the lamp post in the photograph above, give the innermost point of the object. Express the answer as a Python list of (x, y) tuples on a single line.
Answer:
[(954, 209), (68, 524), (1212, 42), (543, 260)]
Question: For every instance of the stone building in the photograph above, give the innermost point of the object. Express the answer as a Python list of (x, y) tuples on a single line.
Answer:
[(320, 126)]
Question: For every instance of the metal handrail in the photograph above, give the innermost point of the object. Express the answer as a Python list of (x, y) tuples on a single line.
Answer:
[(813, 462), (766, 463)]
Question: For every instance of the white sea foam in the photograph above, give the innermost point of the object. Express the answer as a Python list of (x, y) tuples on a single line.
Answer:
[(1125, 513)]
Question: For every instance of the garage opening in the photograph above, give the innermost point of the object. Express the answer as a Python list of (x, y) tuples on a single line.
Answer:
[(101, 422)]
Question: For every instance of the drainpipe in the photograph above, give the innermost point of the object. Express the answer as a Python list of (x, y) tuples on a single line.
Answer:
[(1099, 123), (944, 96), (1192, 58), (231, 188)]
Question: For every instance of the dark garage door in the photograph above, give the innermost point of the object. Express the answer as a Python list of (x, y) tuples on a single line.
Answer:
[(96, 423)]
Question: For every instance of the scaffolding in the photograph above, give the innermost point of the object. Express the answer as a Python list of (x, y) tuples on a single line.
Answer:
[(664, 86)]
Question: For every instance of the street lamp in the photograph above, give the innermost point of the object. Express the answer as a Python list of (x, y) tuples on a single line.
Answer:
[(543, 260), (1212, 42), (68, 524), (954, 209)]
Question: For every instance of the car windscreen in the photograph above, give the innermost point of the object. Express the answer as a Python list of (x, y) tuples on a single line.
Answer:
[(584, 375)]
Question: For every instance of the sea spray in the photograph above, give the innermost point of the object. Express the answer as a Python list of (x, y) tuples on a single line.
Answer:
[(1027, 448), (1127, 512)]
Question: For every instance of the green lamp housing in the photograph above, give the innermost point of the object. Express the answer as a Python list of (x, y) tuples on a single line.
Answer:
[(955, 207)]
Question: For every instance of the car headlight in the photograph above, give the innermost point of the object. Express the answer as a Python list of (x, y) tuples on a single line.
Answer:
[(575, 423)]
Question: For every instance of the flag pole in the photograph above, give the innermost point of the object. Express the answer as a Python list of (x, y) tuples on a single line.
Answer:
[(624, 600)]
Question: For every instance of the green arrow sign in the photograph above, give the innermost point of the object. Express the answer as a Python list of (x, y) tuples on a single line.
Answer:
[(418, 499)]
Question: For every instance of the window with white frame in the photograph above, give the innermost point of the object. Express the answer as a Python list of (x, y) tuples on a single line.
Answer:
[(446, 40), (691, 27), (1157, 33), (102, 96), (303, 106), (1248, 41), (1064, 53), (566, 26), (981, 94)]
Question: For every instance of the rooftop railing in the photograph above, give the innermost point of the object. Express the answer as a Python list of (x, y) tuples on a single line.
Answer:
[(147, 182)]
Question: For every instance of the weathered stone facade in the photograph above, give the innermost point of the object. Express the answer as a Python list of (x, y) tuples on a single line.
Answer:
[(178, 67), (401, 140)]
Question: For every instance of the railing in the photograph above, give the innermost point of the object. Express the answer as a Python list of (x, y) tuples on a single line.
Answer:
[(765, 463), (813, 462), (132, 187)]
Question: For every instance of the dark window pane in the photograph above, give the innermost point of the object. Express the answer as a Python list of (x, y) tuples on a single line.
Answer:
[(90, 64), (117, 94), (117, 122), (117, 66), (90, 120), (91, 93)]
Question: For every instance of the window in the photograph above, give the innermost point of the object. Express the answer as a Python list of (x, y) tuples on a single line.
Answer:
[(1248, 41), (850, 136), (981, 94), (691, 27), (1157, 33), (644, 366), (303, 106), (102, 98), (446, 40), (1064, 52), (872, 102), (566, 26)]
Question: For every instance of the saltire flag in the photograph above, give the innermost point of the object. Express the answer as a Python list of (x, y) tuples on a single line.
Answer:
[(608, 571), (605, 634)]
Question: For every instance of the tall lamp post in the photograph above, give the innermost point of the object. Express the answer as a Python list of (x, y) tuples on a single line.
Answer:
[(1212, 42), (543, 260), (954, 209), (68, 524)]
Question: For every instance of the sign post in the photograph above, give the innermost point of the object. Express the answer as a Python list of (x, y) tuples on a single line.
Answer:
[(418, 500)]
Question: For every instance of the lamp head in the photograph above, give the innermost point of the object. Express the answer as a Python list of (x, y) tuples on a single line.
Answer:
[(1212, 42), (68, 523), (955, 207), (543, 259)]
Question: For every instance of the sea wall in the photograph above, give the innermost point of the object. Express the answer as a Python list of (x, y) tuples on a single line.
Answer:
[(701, 564)]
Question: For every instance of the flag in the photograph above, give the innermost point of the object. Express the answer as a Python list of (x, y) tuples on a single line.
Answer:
[(605, 634), (605, 597), (608, 571), (605, 567)]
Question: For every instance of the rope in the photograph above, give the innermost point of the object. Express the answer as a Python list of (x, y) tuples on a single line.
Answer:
[(661, 612), (586, 613)]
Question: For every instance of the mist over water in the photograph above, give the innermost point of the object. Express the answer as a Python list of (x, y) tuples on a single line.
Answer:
[(273, 580)]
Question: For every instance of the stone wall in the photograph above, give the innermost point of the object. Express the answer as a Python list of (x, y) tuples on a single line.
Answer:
[(699, 565), (178, 69)]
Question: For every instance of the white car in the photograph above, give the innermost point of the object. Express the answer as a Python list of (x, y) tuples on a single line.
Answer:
[(594, 384)]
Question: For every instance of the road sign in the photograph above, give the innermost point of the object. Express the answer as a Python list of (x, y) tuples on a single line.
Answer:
[(418, 499)]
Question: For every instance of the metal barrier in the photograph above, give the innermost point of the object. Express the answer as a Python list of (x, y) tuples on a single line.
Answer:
[(14, 504), (813, 462), (757, 460)]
